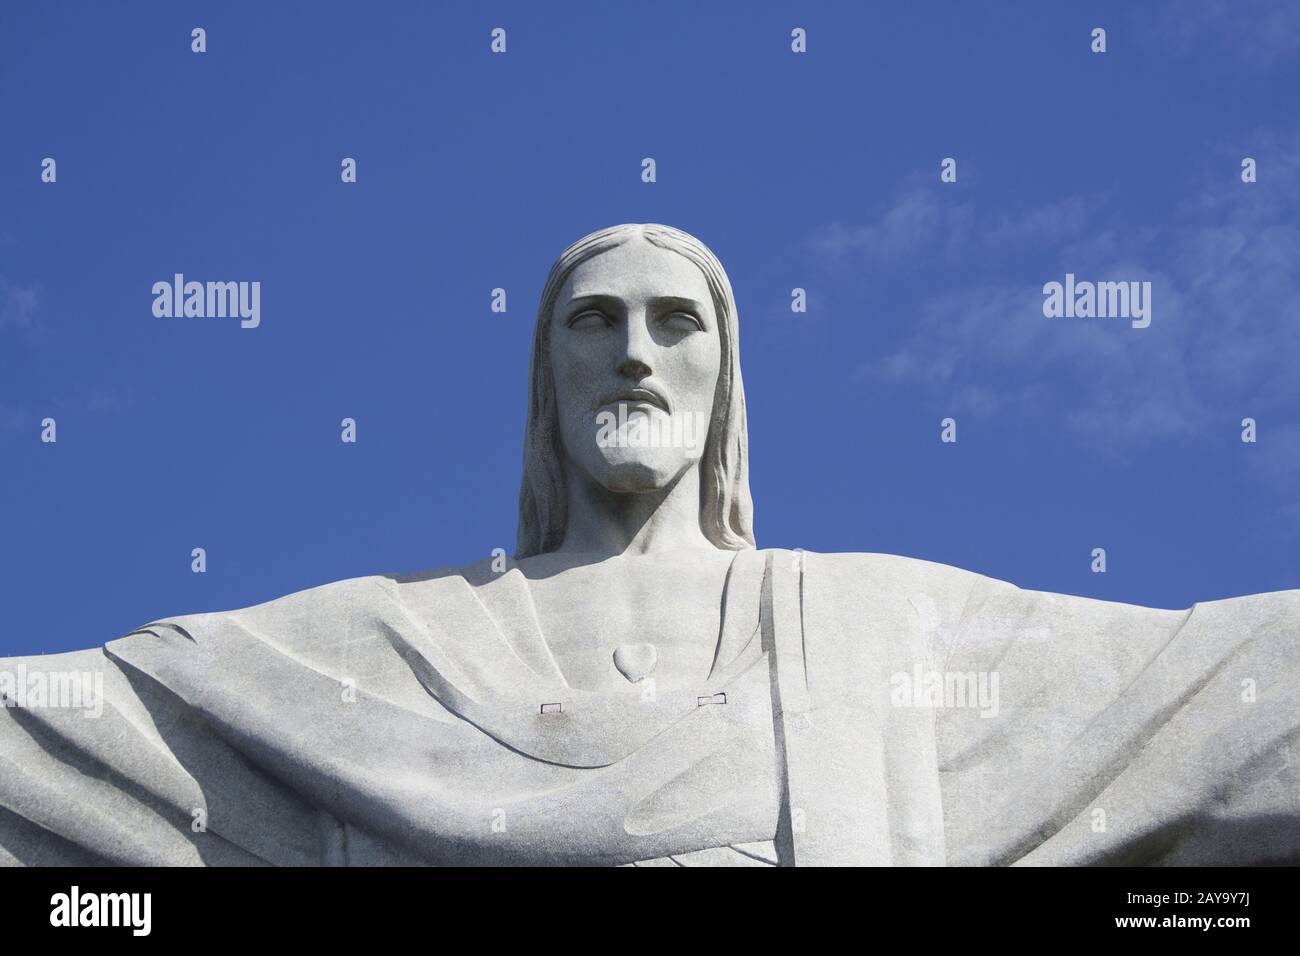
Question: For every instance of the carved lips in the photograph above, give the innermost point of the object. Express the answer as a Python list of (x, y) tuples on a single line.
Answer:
[(634, 396)]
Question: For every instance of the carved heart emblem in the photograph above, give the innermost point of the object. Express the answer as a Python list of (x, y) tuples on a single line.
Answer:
[(636, 661)]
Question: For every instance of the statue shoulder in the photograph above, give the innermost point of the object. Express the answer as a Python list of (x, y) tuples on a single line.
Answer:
[(893, 584), (329, 606), (891, 565), (334, 601), (896, 571)]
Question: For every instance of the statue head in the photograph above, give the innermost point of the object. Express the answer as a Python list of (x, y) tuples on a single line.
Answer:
[(635, 380)]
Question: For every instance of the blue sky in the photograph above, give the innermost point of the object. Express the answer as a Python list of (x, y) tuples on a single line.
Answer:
[(475, 170)]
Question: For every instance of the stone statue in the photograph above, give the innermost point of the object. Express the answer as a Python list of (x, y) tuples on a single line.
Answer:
[(641, 685)]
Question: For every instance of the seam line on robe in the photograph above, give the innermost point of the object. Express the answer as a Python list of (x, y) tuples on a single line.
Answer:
[(784, 840)]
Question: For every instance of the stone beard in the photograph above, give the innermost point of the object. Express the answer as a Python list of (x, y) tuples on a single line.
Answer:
[(641, 685)]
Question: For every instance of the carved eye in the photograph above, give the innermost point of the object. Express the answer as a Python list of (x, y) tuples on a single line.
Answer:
[(680, 321), (590, 319)]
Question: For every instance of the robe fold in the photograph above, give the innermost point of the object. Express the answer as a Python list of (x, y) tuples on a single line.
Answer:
[(861, 709)]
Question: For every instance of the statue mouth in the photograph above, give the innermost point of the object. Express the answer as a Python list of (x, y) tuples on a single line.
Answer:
[(636, 396)]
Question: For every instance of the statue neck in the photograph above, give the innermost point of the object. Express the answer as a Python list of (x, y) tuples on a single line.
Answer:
[(601, 521)]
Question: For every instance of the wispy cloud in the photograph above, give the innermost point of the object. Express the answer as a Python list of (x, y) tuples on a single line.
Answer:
[(1258, 34), (105, 400), (12, 420), (80, 402), (1225, 273), (1224, 264), (17, 304)]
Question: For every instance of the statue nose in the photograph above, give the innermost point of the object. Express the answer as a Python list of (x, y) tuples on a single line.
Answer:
[(639, 345), (634, 368)]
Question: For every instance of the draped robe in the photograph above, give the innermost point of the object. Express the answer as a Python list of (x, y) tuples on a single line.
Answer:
[(423, 720)]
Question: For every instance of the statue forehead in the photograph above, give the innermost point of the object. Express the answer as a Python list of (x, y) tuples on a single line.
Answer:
[(637, 268)]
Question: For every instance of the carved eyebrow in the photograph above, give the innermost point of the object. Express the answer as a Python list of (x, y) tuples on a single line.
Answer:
[(680, 302), (608, 302), (587, 299)]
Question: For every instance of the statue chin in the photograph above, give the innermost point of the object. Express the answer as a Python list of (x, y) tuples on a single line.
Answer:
[(636, 470)]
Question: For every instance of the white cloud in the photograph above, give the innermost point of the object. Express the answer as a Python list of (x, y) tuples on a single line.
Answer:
[(17, 304), (1224, 342), (12, 420), (1259, 34)]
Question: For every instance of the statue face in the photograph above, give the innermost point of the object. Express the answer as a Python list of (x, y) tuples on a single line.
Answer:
[(635, 354)]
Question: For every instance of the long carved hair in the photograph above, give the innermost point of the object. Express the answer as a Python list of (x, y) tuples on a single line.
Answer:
[(726, 510)]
